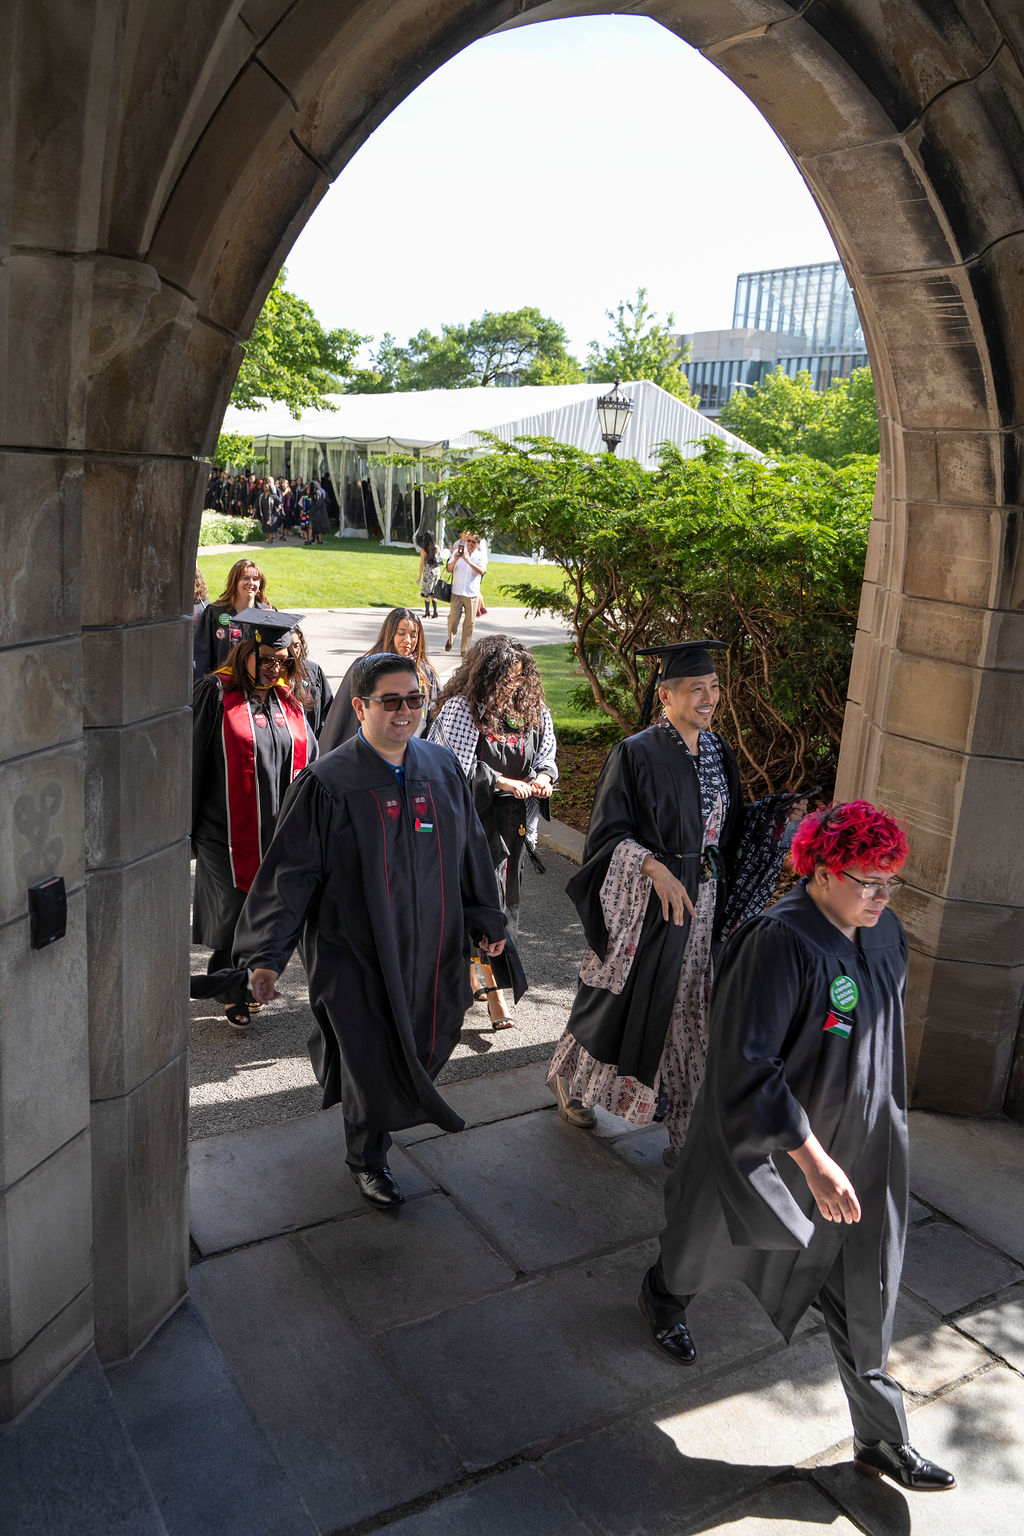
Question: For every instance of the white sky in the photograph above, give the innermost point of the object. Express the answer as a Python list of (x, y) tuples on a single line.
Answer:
[(563, 165)]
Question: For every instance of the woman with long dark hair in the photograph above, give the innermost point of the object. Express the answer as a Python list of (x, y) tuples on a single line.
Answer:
[(492, 715), (250, 738), (216, 630), (429, 572), (401, 634)]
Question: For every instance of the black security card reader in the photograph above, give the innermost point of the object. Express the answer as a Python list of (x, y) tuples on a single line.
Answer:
[(47, 912)]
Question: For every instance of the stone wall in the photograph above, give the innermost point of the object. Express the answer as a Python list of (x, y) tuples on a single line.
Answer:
[(161, 159)]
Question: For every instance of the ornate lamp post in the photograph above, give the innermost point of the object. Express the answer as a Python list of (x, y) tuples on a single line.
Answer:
[(613, 412)]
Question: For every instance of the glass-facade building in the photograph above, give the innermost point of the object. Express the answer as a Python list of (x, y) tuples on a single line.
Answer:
[(794, 318), (815, 302)]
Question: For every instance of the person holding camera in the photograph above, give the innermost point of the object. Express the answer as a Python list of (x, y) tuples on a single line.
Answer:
[(467, 563)]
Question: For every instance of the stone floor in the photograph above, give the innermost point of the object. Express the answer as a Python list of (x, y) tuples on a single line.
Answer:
[(474, 1364)]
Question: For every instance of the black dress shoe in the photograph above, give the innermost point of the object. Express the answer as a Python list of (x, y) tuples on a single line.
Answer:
[(666, 1320), (903, 1464), (378, 1186)]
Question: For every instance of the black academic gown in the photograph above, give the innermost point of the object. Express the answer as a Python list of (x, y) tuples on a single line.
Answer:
[(737, 1207), (217, 897), (648, 791), (384, 886)]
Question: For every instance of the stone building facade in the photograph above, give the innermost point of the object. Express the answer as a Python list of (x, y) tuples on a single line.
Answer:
[(159, 158)]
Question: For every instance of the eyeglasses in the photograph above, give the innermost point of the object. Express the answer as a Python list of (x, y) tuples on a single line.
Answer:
[(869, 888), (393, 701)]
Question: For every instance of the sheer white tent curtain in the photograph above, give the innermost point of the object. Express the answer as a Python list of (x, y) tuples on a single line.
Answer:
[(336, 470)]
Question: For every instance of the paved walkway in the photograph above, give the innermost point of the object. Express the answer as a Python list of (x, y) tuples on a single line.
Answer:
[(474, 1363)]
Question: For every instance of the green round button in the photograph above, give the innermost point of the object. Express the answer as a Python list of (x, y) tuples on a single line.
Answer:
[(843, 993), (225, 618)]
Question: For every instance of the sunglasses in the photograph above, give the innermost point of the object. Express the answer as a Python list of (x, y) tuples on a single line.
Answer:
[(393, 701)]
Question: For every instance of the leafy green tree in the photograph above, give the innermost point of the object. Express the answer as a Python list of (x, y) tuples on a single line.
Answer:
[(784, 415), (232, 448), (388, 370), (768, 557), (291, 357), (519, 346), (639, 346)]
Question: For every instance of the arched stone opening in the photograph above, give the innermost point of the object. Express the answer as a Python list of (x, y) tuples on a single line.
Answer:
[(162, 160)]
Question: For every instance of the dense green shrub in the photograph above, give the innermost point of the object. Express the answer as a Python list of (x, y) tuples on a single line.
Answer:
[(217, 528), (768, 557)]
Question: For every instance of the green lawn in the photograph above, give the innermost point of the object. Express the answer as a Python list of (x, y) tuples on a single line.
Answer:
[(356, 576), (558, 669)]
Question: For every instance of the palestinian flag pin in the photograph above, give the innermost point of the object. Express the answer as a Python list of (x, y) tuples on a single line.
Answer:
[(836, 1024)]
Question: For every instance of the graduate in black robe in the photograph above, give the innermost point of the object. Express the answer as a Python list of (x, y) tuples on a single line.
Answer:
[(794, 1176), (380, 871), (250, 738)]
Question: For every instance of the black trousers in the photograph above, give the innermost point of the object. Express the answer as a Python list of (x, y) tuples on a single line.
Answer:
[(364, 1147), (874, 1398)]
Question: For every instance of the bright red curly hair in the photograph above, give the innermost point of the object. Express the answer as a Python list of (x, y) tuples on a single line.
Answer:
[(852, 833)]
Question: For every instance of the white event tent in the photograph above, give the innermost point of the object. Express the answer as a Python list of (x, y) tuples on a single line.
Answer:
[(348, 442)]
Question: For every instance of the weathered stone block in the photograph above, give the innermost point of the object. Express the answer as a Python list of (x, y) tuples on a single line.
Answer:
[(970, 468), (704, 22), (149, 512), (922, 784), (44, 697), (41, 824), (932, 701), (165, 391), (40, 582), (971, 142), (932, 334), (810, 95), (140, 1205), (183, 62), (45, 299), (912, 232), (44, 1053), (138, 790), (138, 1016), (943, 631), (57, 103), (996, 279), (134, 672), (954, 553), (45, 1243), (986, 864), (905, 57), (961, 1027), (51, 1351), (920, 458), (999, 718), (980, 932)]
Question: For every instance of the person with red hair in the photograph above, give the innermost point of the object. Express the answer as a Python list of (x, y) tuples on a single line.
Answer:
[(794, 1174)]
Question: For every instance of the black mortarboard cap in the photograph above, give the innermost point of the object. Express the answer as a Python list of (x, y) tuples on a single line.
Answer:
[(687, 658), (267, 626)]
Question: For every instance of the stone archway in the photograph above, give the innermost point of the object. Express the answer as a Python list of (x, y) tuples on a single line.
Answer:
[(141, 137)]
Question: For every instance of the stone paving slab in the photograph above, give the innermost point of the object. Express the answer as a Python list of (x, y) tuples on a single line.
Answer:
[(256, 1184), (951, 1270), (792, 1508), (1000, 1327), (388, 1271), (568, 1196), (916, 1212), (642, 1149), (482, 1100), (926, 1355), (69, 1469), (208, 1463), (682, 1464), (975, 1431), (520, 1502), (555, 1354), (353, 1441), (972, 1171)]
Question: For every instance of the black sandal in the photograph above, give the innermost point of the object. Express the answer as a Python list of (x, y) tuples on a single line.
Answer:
[(481, 993), (237, 1015)]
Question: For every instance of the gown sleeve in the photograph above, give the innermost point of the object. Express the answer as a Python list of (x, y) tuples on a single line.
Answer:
[(206, 716), (751, 1111), (202, 643), (612, 820), (339, 722), (290, 877)]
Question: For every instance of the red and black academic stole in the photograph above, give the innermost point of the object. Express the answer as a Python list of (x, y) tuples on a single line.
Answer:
[(242, 787)]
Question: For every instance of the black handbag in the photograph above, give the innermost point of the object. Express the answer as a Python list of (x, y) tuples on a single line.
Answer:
[(443, 590)]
